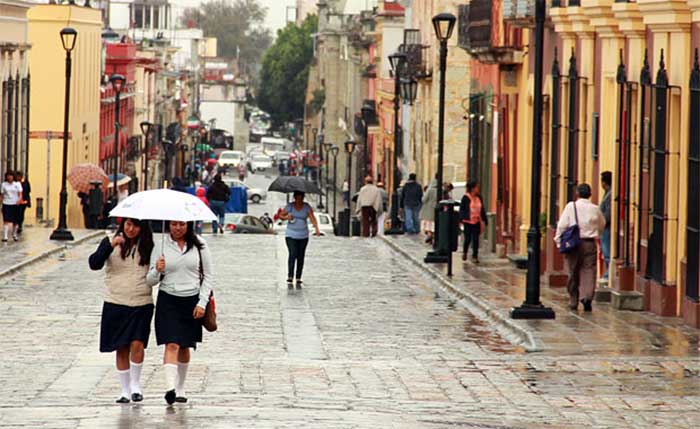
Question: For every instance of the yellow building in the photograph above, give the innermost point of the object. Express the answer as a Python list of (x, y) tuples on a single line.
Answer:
[(47, 65), (622, 91)]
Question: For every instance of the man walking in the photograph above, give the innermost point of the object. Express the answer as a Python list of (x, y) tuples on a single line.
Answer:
[(369, 205), (606, 180), (411, 200), (582, 260)]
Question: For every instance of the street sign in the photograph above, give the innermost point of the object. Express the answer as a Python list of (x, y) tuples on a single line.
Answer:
[(50, 135)]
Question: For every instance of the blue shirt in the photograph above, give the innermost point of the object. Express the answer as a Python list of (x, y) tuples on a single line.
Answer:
[(298, 227)]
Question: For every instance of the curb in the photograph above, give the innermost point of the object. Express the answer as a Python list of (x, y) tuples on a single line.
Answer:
[(510, 330), (45, 254)]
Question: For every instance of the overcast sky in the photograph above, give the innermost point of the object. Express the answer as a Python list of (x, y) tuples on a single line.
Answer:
[(276, 13)]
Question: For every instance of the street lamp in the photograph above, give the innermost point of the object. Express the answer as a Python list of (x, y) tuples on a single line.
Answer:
[(532, 308), (397, 61), (314, 131), (68, 39), (333, 150), (327, 147), (368, 118), (319, 171), (146, 130), (349, 149), (117, 81), (443, 24)]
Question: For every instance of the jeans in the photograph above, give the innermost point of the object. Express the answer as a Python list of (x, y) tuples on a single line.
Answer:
[(412, 221), (219, 209), (605, 247), (471, 236), (297, 251)]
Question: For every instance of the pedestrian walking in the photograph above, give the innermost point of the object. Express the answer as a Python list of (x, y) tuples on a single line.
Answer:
[(297, 214), (427, 211), (346, 193), (369, 206), (218, 195), (11, 198), (581, 261), (25, 202), (201, 193), (411, 201), (473, 217), (381, 219), (606, 180), (127, 311), (182, 265)]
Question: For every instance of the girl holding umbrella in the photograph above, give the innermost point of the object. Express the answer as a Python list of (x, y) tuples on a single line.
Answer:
[(183, 267), (128, 303)]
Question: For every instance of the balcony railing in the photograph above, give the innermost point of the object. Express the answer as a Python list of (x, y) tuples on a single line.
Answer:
[(519, 12), (415, 60)]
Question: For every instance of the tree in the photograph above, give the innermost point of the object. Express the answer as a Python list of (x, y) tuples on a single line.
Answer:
[(237, 26), (285, 71)]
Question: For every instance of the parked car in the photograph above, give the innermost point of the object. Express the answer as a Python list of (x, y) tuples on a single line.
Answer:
[(256, 195), (325, 224), (230, 158), (260, 162), (239, 223)]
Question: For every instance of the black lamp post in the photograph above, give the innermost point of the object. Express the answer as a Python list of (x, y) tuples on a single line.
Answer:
[(307, 129), (327, 147), (443, 24), (333, 150), (167, 149), (68, 38), (319, 172), (532, 308), (314, 131), (146, 130), (349, 149), (397, 61), (367, 118), (117, 81)]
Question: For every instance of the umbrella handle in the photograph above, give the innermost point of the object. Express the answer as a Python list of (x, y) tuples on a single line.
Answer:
[(162, 239)]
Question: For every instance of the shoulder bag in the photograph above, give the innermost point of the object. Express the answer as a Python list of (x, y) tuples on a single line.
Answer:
[(571, 237), (209, 319)]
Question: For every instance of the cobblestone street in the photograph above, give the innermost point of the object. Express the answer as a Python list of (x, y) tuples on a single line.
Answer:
[(368, 343)]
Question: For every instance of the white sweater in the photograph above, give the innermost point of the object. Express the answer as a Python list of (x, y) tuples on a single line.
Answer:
[(181, 276)]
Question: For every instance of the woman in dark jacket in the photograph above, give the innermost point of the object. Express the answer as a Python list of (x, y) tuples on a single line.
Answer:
[(128, 303), (472, 215), (218, 195)]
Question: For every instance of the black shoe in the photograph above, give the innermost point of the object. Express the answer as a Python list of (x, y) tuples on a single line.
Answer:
[(4, 240), (170, 397), (180, 399), (123, 400), (587, 305), (136, 397), (221, 229), (299, 283)]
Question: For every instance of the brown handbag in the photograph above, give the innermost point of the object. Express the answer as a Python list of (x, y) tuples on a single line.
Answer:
[(209, 319)]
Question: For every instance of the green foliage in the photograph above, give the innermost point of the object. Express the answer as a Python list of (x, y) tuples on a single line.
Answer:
[(318, 100), (236, 25), (285, 71)]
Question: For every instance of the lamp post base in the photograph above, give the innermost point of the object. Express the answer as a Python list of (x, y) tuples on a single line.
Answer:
[(436, 258), (528, 311), (62, 234), (395, 222)]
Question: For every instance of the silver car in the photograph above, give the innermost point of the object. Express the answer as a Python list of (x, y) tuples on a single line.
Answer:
[(256, 195)]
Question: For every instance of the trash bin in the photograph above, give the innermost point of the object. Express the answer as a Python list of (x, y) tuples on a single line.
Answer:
[(342, 226), (448, 234), (356, 226)]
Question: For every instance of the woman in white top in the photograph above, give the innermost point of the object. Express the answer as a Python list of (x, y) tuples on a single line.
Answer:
[(11, 199), (182, 265), (128, 304)]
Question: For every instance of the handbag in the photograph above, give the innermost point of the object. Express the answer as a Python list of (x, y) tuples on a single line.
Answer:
[(571, 237), (209, 319)]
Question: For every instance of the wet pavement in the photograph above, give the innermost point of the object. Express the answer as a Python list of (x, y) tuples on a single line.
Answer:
[(369, 342), (606, 332)]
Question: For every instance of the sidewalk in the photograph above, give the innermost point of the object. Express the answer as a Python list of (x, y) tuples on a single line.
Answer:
[(35, 245), (495, 286)]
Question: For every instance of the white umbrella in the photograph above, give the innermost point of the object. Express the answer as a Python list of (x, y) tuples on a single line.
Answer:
[(163, 204)]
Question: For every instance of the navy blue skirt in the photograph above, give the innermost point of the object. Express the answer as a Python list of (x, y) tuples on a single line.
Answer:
[(121, 324), (174, 320)]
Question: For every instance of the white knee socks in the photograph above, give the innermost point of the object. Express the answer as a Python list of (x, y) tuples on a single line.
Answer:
[(181, 375), (135, 376), (170, 375), (124, 381)]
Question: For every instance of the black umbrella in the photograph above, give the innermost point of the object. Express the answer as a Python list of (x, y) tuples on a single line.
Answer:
[(288, 184)]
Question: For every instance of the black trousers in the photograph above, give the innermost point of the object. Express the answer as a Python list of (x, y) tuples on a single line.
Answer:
[(297, 251), (471, 235)]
